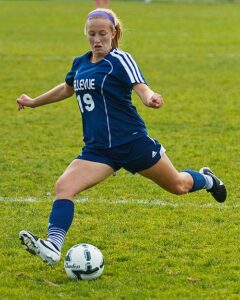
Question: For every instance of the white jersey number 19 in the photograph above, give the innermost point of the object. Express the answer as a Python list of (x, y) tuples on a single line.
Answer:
[(86, 103)]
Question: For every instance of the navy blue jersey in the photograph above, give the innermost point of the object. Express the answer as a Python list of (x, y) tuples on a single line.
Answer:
[(103, 90)]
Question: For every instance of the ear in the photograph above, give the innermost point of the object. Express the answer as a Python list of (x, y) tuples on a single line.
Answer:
[(114, 34)]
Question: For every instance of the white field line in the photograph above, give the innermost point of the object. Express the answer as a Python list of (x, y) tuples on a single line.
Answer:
[(156, 202), (12, 199)]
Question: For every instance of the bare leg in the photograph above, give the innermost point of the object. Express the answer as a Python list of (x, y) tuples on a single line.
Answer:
[(165, 175), (80, 175)]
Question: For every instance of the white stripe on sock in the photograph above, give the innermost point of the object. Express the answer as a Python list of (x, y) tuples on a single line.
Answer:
[(56, 236)]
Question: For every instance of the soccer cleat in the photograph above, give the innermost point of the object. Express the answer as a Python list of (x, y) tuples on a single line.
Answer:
[(36, 246), (218, 190)]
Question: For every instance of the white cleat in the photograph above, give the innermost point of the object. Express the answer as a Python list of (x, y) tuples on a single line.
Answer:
[(36, 246)]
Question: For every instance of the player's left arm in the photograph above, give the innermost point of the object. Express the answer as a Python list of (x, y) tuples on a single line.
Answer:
[(148, 97)]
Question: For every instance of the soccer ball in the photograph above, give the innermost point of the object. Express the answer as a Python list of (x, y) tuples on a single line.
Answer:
[(84, 262)]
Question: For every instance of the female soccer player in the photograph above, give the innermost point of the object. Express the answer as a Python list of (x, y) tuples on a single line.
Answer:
[(115, 135)]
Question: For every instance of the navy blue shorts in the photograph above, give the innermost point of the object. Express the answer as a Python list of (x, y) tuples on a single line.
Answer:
[(134, 157)]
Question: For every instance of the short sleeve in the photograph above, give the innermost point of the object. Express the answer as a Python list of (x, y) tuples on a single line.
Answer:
[(132, 71), (71, 74)]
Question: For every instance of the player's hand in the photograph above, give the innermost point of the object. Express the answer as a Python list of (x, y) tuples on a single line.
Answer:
[(24, 100), (155, 101)]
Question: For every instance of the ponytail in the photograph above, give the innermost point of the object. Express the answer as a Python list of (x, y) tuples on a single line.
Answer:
[(115, 41)]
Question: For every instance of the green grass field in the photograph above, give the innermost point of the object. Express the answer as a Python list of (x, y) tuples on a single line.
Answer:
[(156, 245)]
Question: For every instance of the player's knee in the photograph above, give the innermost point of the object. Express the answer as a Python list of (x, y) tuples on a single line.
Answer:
[(62, 190), (59, 186)]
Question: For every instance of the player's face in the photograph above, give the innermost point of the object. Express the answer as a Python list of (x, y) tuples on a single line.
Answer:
[(100, 36)]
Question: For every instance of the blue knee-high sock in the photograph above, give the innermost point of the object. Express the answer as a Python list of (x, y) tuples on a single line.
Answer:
[(59, 221), (199, 181)]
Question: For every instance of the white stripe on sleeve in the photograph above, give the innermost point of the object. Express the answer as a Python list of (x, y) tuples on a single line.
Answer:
[(136, 67), (131, 65), (119, 57)]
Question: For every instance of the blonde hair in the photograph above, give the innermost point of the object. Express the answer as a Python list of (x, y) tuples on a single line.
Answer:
[(117, 26)]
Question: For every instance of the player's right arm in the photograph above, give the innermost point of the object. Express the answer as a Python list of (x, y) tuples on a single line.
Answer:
[(58, 93)]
